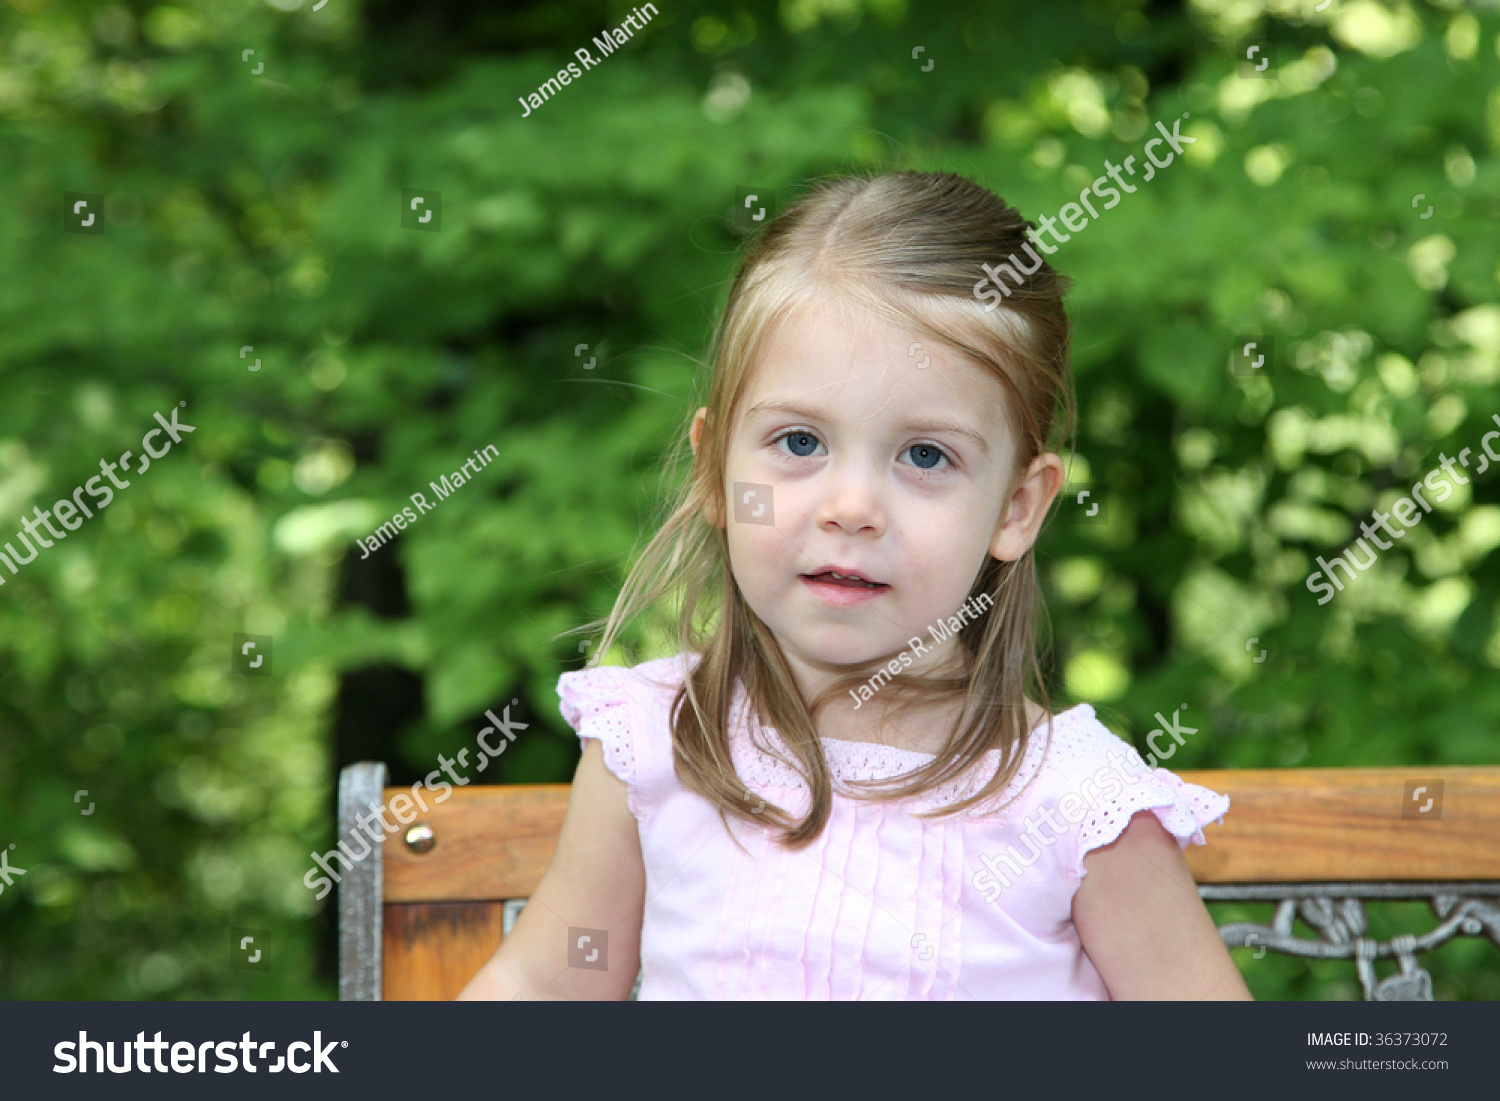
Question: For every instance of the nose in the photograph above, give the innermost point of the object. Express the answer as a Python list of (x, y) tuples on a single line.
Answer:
[(851, 502)]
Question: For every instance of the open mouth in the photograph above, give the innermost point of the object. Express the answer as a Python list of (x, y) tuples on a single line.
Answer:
[(850, 581)]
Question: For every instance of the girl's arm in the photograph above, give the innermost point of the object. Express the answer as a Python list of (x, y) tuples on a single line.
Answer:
[(1144, 926), (596, 881)]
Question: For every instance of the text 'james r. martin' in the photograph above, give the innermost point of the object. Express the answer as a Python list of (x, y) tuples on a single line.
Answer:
[(608, 43)]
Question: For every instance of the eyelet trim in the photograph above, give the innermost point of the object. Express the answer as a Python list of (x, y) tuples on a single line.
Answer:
[(764, 773), (1183, 809), (594, 703)]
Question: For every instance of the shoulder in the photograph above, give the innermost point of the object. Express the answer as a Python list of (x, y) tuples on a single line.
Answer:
[(628, 710), (587, 692), (1078, 744)]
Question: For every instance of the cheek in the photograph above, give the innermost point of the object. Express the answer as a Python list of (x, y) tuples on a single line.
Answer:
[(769, 507), (942, 553), (757, 549), (765, 556), (953, 524)]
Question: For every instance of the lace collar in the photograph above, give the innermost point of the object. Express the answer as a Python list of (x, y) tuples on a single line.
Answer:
[(848, 760)]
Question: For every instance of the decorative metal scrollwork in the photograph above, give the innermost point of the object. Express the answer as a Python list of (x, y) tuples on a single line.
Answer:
[(1336, 912)]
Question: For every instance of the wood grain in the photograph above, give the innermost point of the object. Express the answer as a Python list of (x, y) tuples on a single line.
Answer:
[(1284, 825), (432, 949), (1346, 825), (493, 842)]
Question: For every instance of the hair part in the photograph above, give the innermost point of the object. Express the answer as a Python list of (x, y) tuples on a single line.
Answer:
[(906, 247)]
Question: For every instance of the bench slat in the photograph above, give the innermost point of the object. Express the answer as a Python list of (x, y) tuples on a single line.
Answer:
[(1345, 825), (493, 841), (1283, 826), (433, 949)]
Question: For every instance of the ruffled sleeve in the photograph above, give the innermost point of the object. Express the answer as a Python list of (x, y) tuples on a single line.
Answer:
[(594, 702), (1182, 808), (1105, 779), (628, 710)]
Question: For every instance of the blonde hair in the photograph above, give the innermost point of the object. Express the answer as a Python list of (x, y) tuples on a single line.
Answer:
[(908, 247)]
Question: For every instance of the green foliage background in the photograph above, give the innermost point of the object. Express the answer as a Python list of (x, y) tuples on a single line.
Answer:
[(264, 210)]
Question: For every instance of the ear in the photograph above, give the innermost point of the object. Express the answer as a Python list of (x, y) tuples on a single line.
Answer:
[(697, 430), (713, 509), (1027, 508)]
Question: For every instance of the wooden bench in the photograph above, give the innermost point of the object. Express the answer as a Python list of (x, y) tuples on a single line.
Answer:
[(418, 922)]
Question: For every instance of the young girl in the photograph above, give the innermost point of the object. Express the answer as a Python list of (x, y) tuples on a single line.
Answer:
[(840, 787)]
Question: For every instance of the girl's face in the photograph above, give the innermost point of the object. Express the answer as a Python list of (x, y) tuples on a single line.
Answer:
[(851, 456)]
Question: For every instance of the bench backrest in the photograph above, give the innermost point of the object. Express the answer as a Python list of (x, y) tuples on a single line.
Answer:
[(418, 922)]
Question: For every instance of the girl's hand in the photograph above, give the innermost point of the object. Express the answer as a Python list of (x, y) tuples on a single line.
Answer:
[(1144, 926), (596, 881)]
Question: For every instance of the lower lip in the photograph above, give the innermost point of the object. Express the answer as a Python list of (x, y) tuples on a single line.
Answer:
[(843, 595)]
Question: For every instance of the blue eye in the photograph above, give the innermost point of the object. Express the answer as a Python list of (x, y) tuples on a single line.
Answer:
[(801, 444), (924, 455)]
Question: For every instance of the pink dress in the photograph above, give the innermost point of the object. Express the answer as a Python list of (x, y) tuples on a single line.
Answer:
[(883, 905)]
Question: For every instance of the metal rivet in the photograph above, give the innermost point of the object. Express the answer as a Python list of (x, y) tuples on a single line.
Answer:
[(420, 839)]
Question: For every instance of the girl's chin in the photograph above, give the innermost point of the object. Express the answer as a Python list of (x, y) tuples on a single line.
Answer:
[(847, 659)]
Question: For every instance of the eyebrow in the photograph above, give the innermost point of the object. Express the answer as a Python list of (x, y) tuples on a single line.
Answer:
[(928, 426)]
